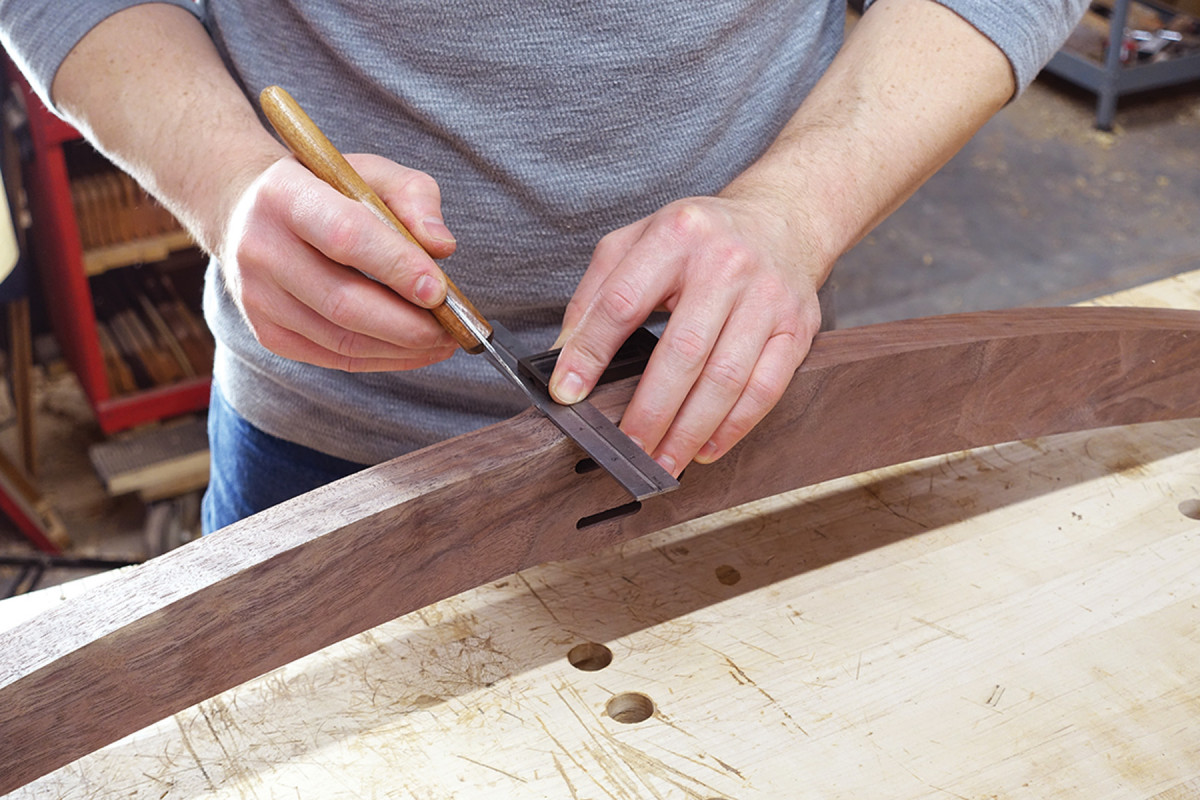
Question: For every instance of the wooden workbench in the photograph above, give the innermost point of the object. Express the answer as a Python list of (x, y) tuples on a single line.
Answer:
[(1019, 621)]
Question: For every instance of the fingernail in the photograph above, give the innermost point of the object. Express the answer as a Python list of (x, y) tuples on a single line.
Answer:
[(666, 462), (707, 454), (436, 228), (429, 290), (569, 389)]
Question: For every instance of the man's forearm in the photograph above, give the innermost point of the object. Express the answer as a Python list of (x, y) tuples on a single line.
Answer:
[(912, 84), (148, 88)]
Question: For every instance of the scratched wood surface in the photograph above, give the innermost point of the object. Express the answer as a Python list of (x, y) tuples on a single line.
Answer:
[(1016, 621)]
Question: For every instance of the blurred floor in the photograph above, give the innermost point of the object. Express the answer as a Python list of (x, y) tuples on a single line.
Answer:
[(99, 525), (1039, 209)]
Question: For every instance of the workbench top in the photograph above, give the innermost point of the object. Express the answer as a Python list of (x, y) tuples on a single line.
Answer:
[(1018, 621)]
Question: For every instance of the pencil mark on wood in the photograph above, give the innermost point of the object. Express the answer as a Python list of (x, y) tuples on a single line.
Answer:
[(187, 743), (478, 763), (941, 628), (538, 597)]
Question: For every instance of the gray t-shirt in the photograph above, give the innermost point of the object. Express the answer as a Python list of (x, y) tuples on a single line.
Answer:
[(546, 125)]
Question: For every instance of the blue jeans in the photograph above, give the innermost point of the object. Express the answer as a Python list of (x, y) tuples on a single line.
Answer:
[(252, 470)]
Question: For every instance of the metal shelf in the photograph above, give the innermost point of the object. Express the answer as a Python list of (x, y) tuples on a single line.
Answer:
[(1112, 79)]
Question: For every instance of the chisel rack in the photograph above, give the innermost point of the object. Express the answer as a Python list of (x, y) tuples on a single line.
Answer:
[(128, 325)]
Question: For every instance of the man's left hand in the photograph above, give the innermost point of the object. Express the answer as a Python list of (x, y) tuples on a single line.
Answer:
[(743, 312)]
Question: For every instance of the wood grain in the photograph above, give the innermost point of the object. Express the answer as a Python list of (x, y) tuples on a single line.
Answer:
[(400, 536), (1014, 621)]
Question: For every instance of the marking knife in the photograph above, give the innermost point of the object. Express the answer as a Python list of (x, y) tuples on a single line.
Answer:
[(604, 442)]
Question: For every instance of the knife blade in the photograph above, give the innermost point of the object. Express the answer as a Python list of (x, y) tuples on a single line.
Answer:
[(603, 441)]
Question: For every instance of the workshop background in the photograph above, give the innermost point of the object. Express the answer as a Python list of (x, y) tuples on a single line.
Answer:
[(1074, 190)]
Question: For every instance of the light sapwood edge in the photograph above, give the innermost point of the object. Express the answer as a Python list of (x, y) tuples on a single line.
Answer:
[(344, 558)]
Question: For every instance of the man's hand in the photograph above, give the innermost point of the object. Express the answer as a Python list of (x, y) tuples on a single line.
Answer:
[(743, 315), (739, 272), (320, 279)]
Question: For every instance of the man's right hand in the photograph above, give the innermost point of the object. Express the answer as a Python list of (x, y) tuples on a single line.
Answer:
[(320, 279)]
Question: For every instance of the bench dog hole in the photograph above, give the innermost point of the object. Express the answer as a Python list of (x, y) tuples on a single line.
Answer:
[(630, 708), (1190, 508), (589, 656)]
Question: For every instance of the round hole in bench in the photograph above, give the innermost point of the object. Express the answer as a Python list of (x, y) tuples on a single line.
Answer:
[(589, 656), (1190, 508), (630, 708)]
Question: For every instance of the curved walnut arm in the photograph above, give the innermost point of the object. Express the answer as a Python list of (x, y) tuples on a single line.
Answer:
[(342, 559)]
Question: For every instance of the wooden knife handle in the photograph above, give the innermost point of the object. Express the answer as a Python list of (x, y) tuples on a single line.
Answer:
[(314, 150)]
